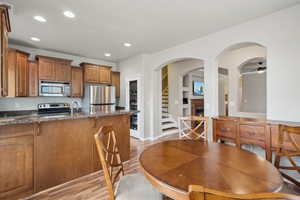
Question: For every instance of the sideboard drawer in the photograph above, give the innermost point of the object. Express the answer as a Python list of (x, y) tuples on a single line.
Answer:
[(226, 128), (252, 132)]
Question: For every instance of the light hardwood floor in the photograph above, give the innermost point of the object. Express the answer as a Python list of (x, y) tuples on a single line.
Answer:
[(93, 187)]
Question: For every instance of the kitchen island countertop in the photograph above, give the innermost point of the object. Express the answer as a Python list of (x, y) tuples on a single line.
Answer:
[(38, 118)]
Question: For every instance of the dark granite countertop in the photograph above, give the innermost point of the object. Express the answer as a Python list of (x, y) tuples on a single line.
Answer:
[(37, 118)]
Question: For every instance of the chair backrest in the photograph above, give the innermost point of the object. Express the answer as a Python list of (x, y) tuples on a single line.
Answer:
[(193, 127), (200, 193), (288, 147), (109, 155)]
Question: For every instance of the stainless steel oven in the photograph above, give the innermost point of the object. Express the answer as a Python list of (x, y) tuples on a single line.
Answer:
[(54, 89)]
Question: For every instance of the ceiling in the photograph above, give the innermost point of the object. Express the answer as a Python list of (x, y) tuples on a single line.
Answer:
[(103, 26)]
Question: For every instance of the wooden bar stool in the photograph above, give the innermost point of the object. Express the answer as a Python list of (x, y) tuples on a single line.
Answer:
[(193, 127), (120, 187), (197, 192), (288, 147)]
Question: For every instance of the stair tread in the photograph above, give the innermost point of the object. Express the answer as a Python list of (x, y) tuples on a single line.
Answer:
[(170, 129), (168, 122)]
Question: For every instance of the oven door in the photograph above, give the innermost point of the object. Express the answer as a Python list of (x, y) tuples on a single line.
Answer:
[(52, 90)]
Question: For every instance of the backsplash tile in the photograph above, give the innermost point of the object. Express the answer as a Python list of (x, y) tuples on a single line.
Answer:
[(30, 103)]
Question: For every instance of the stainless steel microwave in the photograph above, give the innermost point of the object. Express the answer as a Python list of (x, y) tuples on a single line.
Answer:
[(54, 89)]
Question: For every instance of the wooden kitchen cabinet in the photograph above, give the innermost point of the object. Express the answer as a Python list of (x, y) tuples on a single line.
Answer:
[(17, 73), (77, 82), (46, 69), (63, 71), (17, 161), (115, 81), (33, 82), (96, 73), (4, 30), (54, 69), (105, 75), (91, 73)]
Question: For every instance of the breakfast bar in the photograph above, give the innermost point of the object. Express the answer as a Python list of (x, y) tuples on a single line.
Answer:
[(41, 151)]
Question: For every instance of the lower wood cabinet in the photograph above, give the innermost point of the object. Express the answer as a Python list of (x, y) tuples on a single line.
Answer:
[(64, 152), (16, 161), (37, 156)]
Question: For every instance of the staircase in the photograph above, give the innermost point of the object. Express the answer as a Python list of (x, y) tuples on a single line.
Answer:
[(168, 123)]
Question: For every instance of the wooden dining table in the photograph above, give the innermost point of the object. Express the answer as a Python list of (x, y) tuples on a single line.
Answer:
[(172, 166)]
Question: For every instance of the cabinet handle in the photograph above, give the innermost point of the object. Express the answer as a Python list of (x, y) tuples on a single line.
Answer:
[(225, 129), (251, 133)]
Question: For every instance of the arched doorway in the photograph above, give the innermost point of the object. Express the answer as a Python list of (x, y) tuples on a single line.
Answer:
[(176, 84), (242, 85)]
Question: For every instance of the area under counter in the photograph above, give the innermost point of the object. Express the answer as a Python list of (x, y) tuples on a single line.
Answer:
[(36, 155)]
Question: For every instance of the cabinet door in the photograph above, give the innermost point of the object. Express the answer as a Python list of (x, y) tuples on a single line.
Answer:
[(115, 81), (63, 72), (105, 75), (4, 50), (64, 152), (91, 74), (46, 69), (16, 166), (33, 79), (77, 82), (22, 75), (11, 65)]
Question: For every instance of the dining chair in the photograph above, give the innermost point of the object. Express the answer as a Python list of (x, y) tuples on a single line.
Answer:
[(288, 147), (197, 192), (193, 127), (120, 187)]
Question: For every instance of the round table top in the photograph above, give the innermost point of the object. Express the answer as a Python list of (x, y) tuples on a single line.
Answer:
[(172, 166)]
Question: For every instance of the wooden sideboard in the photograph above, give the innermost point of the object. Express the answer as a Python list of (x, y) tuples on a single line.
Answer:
[(241, 131)]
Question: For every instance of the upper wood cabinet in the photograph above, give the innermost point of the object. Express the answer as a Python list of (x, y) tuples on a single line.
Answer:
[(115, 81), (105, 74), (46, 69), (91, 73), (96, 74), (4, 29), (33, 82), (54, 69), (63, 71), (17, 63), (77, 82)]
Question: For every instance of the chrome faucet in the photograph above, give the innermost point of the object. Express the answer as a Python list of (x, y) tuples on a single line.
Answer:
[(74, 102)]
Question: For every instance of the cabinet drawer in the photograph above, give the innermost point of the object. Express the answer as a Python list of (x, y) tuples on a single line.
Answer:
[(226, 129), (252, 132)]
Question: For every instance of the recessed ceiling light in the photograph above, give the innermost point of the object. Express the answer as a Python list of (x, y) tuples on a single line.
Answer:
[(126, 44), (69, 14), (107, 54), (35, 39), (39, 18)]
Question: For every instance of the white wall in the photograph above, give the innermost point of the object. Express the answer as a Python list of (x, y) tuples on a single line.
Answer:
[(30, 103), (279, 32), (232, 60)]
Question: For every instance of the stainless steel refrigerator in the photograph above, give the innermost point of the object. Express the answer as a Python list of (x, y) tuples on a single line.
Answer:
[(99, 98)]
